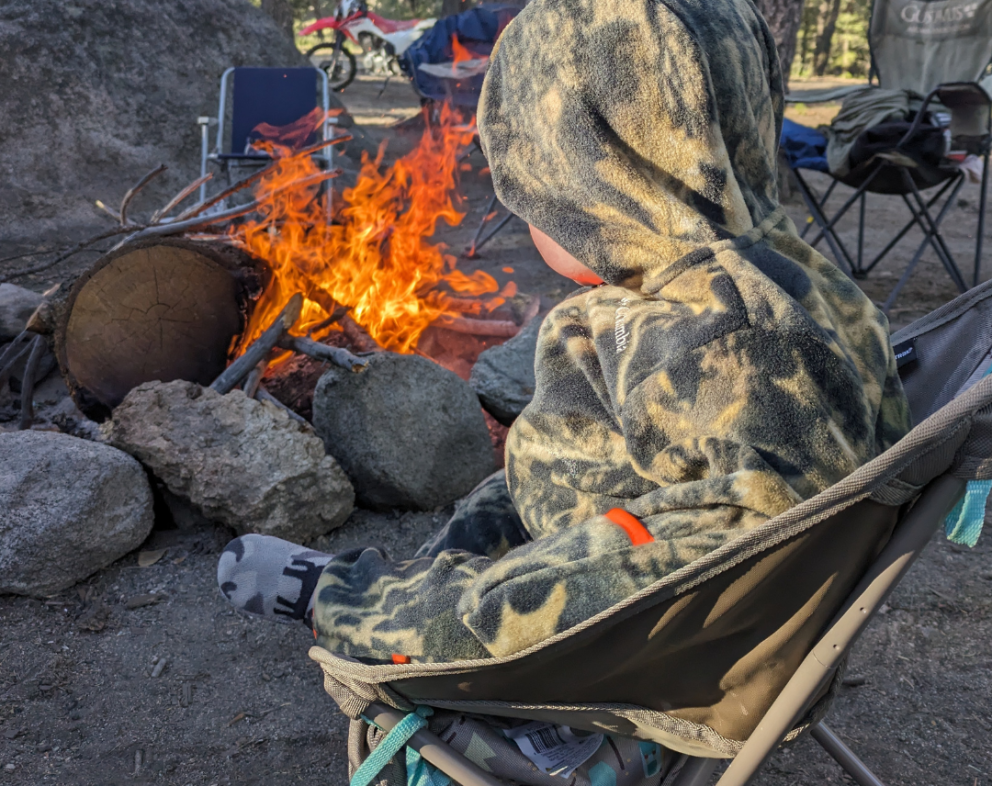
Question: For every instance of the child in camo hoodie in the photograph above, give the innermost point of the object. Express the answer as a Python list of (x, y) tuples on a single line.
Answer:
[(719, 372)]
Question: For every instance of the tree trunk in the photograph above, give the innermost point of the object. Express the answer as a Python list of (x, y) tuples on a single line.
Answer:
[(161, 310), (784, 18), (281, 12), (824, 38)]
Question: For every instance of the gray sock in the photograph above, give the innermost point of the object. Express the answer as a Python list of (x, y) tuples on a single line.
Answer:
[(269, 577)]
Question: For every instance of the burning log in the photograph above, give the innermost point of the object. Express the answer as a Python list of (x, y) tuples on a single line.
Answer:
[(337, 355), (161, 310), (358, 337), (260, 348), (479, 327)]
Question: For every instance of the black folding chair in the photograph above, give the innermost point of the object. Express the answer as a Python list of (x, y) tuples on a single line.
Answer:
[(921, 51), (273, 96)]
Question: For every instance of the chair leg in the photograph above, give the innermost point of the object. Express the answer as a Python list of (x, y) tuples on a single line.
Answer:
[(981, 220), (826, 227), (859, 270), (931, 228), (695, 772), (844, 756)]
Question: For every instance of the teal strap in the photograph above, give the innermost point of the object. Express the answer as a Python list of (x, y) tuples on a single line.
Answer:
[(964, 524), (420, 772), (393, 742)]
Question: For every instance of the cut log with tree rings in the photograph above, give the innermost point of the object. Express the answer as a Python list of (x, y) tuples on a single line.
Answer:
[(162, 310)]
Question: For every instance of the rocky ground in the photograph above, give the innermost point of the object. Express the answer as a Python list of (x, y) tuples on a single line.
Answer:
[(144, 674)]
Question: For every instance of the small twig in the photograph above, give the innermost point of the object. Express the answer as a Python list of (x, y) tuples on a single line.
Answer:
[(12, 349), (159, 668), (336, 355), (478, 327), (254, 378), (110, 213), (71, 252), (263, 395), (7, 370), (260, 348), (254, 178), (133, 191), (164, 211), (336, 313), (358, 337), (532, 310), (38, 348)]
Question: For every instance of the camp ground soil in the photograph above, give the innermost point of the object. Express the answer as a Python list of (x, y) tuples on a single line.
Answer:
[(145, 675)]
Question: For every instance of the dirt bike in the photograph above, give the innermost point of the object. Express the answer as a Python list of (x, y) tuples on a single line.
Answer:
[(383, 42)]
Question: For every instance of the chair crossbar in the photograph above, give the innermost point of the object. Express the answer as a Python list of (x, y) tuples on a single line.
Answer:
[(844, 756)]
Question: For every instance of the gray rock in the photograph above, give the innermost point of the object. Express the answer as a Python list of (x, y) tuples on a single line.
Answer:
[(239, 461), (16, 307), (409, 433), (68, 508), (503, 376)]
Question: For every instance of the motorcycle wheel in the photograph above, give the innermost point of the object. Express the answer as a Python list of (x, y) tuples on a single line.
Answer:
[(340, 69)]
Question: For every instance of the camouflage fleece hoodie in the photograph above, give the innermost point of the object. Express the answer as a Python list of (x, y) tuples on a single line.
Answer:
[(723, 373)]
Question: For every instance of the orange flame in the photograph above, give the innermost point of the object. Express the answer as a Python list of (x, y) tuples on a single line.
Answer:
[(375, 258), (460, 52)]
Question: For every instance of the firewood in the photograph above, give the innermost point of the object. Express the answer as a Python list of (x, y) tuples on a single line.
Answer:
[(254, 378), (261, 347), (161, 310), (336, 355), (263, 395), (358, 337), (12, 356), (479, 327), (133, 191)]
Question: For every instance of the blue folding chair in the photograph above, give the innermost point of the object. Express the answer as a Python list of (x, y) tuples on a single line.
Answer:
[(276, 96)]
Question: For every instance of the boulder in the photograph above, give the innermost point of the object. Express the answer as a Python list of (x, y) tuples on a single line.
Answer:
[(239, 461), (409, 433), (98, 92), (16, 307), (68, 508), (503, 376)]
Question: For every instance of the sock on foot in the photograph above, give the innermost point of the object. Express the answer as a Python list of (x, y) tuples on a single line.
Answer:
[(269, 577)]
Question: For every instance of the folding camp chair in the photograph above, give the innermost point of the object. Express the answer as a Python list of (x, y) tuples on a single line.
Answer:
[(735, 653), (937, 50), (276, 96)]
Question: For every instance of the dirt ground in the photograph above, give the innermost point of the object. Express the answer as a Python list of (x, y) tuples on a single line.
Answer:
[(86, 700)]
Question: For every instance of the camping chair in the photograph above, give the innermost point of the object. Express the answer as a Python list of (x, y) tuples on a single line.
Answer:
[(915, 49), (276, 96), (735, 653)]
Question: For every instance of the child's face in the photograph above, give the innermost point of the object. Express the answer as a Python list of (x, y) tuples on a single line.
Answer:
[(560, 261)]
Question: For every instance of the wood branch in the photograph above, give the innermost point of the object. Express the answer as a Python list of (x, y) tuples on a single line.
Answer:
[(532, 310), (164, 309), (358, 337), (478, 327), (263, 395), (261, 347), (164, 211), (133, 191), (11, 362), (196, 210), (254, 378), (38, 348), (82, 246), (336, 355), (14, 347)]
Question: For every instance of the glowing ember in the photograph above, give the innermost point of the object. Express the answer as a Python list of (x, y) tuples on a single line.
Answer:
[(375, 258)]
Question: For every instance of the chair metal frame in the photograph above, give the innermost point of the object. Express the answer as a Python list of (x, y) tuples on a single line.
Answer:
[(919, 207), (910, 537), (216, 156)]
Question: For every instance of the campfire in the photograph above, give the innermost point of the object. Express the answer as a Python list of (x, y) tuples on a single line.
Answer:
[(229, 296)]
